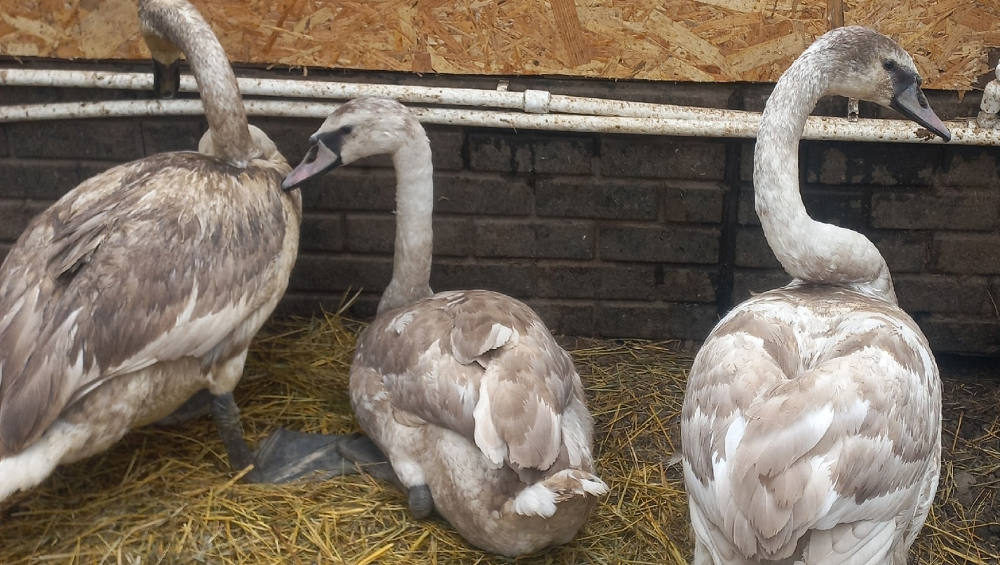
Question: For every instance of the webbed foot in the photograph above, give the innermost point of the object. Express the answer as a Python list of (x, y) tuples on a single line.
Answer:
[(284, 456), (287, 455)]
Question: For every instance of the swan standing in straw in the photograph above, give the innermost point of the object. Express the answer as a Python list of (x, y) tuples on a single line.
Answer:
[(146, 283), (478, 409), (811, 422)]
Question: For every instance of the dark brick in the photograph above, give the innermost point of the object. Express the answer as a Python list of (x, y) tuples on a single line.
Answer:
[(562, 239), (883, 164), (941, 293), (752, 249), (351, 189), (967, 253), (662, 244), (481, 194), (508, 277), (597, 198), (903, 251), (371, 233), (655, 321), (15, 216), (40, 180), (324, 273), (565, 317), (947, 334), (495, 151), (625, 282), (748, 283), (446, 147), (693, 203), (172, 134), (45, 95), (562, 155), (969, 166), (970, 210), (109, 140), (662, 157), (746, 162), (4, 146), (321, 232)]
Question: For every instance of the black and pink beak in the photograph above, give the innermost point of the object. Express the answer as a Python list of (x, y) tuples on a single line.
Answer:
[(318, 160)]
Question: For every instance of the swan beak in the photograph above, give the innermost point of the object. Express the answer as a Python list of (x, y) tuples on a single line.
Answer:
[(912, 103), (317, 161)]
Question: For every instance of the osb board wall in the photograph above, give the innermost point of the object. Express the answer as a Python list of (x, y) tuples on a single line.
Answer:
[(686, 40)]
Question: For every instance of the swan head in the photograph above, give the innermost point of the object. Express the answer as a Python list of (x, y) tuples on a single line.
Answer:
[(165, 53), (872, 67), (359, 128)]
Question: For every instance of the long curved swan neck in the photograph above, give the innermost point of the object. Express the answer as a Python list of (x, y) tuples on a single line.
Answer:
[(411, 265), (812, 251), (180, 23)]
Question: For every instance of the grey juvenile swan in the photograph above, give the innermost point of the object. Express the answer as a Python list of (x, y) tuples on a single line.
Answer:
[(146, 283), (479, 410), (812, 416)]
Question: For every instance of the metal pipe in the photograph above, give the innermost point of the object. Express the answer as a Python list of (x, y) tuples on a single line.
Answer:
[(817, 128), (532, 101)]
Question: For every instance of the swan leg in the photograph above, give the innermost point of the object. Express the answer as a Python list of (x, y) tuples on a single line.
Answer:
[(370, 459), (227, 420)]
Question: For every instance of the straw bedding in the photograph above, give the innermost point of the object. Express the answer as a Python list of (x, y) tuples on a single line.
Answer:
[(165, 494)]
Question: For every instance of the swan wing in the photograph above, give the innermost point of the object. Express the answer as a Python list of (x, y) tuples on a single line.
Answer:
[(788, 432), (483, 365), (150, 261)]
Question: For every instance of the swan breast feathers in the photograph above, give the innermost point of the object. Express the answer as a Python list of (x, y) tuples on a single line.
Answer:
[(796, 396), (481, 364), (150, 261)]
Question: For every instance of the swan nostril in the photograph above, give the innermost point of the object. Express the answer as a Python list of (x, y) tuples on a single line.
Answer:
[(311, 154)]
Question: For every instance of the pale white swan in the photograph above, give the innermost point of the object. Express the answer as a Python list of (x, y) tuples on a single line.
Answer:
[(478, 409), (146, 283), (811, 422)]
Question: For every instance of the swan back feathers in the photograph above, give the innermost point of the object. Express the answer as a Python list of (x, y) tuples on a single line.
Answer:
[(102, 276)]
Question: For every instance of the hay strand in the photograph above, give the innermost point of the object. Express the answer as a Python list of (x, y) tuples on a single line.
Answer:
[(166, 495)]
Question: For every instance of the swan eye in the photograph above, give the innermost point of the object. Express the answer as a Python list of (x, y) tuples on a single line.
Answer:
[(344, 130), (889, 65)]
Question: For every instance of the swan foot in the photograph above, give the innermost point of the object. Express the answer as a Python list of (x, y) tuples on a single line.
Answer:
[(421, 502), (284, 456), (287, 455), (370, 459)]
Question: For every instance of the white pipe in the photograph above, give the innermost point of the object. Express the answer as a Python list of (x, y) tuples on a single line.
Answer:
[(817, 128), (532, 101)]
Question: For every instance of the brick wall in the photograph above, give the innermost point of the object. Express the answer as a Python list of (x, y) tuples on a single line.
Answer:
[(610, 235)]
